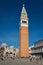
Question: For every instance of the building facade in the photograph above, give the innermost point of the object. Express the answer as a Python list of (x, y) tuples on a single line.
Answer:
[(7, 51), (37, 50)]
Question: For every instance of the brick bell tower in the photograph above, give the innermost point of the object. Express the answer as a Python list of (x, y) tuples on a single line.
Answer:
[(23, 46)]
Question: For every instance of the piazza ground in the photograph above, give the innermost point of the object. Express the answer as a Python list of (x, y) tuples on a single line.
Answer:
[(20, 61)]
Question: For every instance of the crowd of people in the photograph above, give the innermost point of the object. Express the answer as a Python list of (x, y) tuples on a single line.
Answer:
[(35, 59)]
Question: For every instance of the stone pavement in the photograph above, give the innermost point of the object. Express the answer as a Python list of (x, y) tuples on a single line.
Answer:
[(20, 61)]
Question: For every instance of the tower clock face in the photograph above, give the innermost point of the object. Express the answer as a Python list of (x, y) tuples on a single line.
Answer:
[(24, 22)]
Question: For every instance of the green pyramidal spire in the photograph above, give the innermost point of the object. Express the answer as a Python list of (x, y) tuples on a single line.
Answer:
[(23, 10)]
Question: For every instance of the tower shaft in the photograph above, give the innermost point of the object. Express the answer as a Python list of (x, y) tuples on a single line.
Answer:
[(24, 52)]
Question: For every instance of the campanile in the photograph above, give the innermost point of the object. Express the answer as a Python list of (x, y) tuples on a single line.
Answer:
[(23, 45)]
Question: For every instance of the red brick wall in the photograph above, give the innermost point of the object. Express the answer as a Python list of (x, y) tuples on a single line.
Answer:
[(23, 49)]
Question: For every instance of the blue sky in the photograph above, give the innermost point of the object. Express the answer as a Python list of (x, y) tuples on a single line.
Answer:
[(10, 11)]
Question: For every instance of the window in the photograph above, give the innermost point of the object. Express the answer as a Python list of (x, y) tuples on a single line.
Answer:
[(10, 52), (24, 21)]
